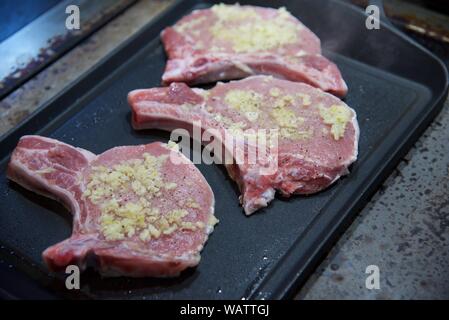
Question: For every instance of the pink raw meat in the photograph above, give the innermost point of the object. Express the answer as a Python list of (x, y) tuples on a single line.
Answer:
[(232, 42), (77, 178), (318, 133)]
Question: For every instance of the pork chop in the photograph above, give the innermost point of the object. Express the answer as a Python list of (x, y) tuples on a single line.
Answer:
[(317, 133), (134, 210), (231, 42)]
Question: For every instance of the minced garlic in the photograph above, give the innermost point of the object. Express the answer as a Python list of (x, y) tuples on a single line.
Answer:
[(306, 100), (337, 116), (287, 119), (233, 12), (247, 102), (275, 92), (234, 127), (191, 203), (283, 114), (173, 145), (252, 32), (295, 133), (189, 25), (124, 194)]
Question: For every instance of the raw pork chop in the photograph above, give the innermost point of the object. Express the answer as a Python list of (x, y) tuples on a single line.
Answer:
[(317, 132), (134, 210), (232, 42)]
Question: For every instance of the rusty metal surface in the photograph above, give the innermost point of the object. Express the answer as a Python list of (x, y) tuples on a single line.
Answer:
[(45, 39)]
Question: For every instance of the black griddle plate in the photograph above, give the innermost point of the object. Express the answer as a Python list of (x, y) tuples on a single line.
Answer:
[(395, 86)]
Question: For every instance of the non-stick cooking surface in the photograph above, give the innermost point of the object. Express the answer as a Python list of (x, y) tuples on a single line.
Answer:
[(395, 87)]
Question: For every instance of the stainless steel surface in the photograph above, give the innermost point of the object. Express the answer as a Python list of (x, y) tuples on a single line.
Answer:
[(39, 42), (414, 15)]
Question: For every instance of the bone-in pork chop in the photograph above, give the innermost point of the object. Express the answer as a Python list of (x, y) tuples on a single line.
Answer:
[(317, 133), (231, 42), (135, 211)]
